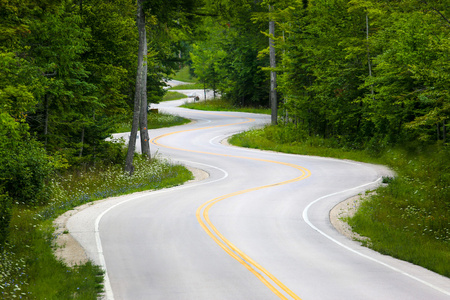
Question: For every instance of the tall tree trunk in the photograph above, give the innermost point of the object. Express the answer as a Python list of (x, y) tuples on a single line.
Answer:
[(273, 74), (444, 131), (82, 143), (143, 66), (438, 131), (46, 104), (368, 54), (140, 22)]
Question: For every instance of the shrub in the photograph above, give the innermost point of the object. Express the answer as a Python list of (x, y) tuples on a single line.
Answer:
[(24, 171), (5, 216)]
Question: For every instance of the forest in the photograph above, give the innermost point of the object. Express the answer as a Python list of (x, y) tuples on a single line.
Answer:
[(364, 73), (361, 74)]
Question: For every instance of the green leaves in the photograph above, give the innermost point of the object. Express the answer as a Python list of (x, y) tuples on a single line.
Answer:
[(367, 69)]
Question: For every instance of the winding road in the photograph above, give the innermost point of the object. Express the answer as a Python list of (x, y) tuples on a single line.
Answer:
[(256, 228)]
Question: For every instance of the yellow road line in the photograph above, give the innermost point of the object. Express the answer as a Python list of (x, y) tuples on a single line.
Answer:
[(225, 244)]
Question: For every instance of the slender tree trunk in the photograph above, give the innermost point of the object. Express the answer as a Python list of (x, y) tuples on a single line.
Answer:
[(204, 89), (368, 53), (82, 143), (273, 74), (142, 77), (438, 132), (46, 118), (140, 21), (444, 132)]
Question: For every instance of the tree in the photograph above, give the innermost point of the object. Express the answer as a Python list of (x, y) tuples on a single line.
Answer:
[(140, 98), (232, 42), (273, 73), (158, 13)]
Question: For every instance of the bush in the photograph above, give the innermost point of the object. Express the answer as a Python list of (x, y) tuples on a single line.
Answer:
[(5, 216), (24, 169)]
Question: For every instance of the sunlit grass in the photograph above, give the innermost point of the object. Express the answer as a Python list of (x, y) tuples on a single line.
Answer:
[(184, 74), (409, 218), (223, 105), (154, 121), (169, 96), (190, 86)]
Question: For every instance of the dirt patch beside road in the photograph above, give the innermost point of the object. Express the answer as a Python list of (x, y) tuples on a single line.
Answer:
[(344, 210)]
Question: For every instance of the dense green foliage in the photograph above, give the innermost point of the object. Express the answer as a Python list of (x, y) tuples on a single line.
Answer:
[(225, 58), (367, 73), (67, 76)]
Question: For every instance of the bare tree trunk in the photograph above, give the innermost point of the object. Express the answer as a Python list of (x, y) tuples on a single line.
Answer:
[(82, 143), (142, 73), (438, 132), (140, 21), (46, 119), (273, 74), (204, 89), (444, 131), (368, 53)]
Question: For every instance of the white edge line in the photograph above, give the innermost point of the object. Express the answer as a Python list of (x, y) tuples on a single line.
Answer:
[(107, 284), (305, 217)]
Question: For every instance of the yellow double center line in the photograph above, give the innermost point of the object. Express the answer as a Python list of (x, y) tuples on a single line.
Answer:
[(261, 273)]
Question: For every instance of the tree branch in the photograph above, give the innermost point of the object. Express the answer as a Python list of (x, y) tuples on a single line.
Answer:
[(439, 13)]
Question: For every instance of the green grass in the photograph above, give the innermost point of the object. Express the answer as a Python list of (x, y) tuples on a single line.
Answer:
[(409, 218), (191, 86), (184, 75), (154, 121), (28, 268), (223, 105), (169, 96)]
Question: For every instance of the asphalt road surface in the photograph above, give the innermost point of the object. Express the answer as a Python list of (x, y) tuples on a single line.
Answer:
[(257, 228)]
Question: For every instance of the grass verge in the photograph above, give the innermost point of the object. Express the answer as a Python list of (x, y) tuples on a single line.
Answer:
[(154, 121), (410, 217), (191, 86), (169, 96), (223, 105), (184, 74)]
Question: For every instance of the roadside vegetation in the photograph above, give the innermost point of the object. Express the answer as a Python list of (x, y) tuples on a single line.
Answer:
[(184, 74), (223, 105), (169, 96), (409, 218), (28, 268), (155, 120), (190, 86)]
